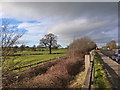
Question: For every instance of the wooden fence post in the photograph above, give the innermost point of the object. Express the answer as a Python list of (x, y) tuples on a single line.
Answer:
[(87, 73), (87, 63)]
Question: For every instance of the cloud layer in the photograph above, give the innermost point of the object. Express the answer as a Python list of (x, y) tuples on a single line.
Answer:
[(67, 20), (59, 1)]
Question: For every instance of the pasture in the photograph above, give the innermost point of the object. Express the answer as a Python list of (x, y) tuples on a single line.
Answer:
[(25, 59)]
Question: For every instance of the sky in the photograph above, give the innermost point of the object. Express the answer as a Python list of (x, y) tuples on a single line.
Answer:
[(67, 20)]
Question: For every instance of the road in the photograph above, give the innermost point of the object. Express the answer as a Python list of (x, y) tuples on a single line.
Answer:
[(112, 69)]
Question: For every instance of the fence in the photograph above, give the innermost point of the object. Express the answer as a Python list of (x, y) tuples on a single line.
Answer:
[(89, 70)]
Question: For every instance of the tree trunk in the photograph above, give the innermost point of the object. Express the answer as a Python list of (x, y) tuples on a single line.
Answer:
[(50, 46), (50, 49)]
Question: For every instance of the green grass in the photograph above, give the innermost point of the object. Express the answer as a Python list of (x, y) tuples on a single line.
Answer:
[(43, 52), (20, 61), (100, 76)]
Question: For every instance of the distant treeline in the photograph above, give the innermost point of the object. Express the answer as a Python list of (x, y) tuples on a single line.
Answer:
[(27, 48)]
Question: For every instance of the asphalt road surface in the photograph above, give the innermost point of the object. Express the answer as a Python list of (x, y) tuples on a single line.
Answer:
[(112, 69)]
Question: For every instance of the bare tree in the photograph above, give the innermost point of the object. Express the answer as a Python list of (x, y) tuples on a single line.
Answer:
[(9, 37), (111, 44), (49, 41)]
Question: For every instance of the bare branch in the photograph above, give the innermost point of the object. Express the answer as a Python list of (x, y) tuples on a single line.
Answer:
[(9, 37)]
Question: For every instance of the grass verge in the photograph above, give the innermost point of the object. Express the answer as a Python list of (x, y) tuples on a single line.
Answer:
[(78, 80), (100, 79)]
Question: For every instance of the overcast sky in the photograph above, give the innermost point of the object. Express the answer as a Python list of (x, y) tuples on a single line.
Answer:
[(59, 0), (67, 20)]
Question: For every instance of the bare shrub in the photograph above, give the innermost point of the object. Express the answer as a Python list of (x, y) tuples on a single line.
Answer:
[(14, 79), (73, 66), (45, 81), (57, 76), (81, 46), (41, 69), (25, 76), (54, 78)]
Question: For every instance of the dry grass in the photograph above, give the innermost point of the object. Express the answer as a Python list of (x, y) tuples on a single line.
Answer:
[(52, 75), (78, 80), (15, 79), (57, 76)]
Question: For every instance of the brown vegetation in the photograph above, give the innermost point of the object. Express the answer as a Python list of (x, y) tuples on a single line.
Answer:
[(11, 77), (80, 47), (57, 76)]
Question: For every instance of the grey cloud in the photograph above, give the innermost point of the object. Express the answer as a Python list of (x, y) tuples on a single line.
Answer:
[(64, 10), (91, 28), (97, 17), (59, 1)]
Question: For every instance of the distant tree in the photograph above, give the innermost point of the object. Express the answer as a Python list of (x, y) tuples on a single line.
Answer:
[(111, 44), (49, 40), (57, 46), (22, 47), (27, 48), (15, 48), (34, 48)]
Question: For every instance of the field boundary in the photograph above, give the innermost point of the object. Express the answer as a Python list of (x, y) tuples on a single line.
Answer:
[(31, 54)]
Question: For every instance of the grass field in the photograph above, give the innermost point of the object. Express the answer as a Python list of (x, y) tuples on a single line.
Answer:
[(43, 52), (20, 61)]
